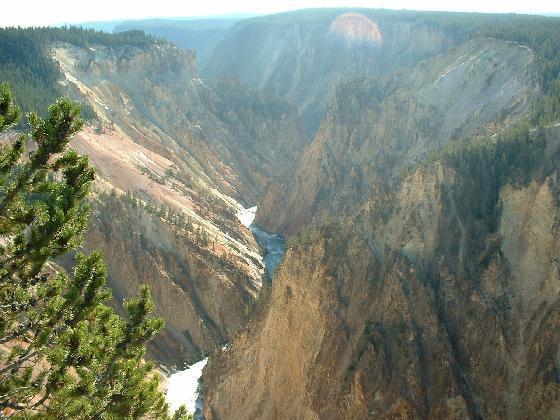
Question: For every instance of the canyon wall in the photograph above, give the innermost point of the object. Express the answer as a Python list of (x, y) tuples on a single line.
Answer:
[(421, 277), (302, 56), (418, 307), (176, 159), (377, 127)]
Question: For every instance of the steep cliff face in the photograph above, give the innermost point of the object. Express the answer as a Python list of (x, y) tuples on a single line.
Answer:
[(159, 226), (232, 137), (175, 158), (302, 56), (441, 299), (378, 126), (202, 294)]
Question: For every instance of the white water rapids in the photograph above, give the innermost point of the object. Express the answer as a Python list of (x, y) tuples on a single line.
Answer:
[(246, 216), (182, 386)]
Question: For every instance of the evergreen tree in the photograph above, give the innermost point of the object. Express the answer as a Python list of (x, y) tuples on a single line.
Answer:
[(63, 352)]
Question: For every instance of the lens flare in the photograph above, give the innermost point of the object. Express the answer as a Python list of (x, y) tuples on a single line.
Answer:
[(356, 27)]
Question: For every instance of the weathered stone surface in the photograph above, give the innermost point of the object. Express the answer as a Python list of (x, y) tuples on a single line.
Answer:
[(202, 150), (414, 309)]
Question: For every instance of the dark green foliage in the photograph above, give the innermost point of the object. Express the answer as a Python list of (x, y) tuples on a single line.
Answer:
[(305, 238), (484, 167), (182, 414), (25, 65), (9, 114), (511, 156), (89, 37), (547, 108), (64, 352), (173, 217), (25, 61)]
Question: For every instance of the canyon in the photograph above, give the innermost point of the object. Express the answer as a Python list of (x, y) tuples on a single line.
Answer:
[(420, 279), (413, 309), (167, 197), (403, 259)]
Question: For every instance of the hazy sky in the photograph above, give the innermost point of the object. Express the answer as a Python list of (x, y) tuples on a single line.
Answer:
[(49, 12)]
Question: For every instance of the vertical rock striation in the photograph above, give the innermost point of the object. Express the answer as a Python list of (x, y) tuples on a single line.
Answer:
[(417, 308)]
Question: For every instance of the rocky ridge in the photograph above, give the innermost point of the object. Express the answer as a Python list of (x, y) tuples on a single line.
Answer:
[(176, 161), (416, 308), (377, 127)]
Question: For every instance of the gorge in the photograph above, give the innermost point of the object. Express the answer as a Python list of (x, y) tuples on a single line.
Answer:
[(341, 213), (183, 387)]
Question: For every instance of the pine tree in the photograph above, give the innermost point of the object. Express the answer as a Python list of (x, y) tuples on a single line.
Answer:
[(63, 352)]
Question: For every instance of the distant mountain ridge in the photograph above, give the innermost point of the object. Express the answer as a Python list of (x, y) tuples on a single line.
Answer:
[(420, 279), (198, 34), (410, 158)]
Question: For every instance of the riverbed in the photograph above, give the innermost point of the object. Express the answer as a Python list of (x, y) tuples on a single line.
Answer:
[(183, 386)]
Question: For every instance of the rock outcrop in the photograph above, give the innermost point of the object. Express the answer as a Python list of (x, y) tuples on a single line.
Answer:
[(440, 299), (203, 296), (176, 158), (377, 127)]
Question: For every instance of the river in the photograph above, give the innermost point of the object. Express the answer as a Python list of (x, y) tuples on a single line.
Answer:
[(272, 244), (183, 386)]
